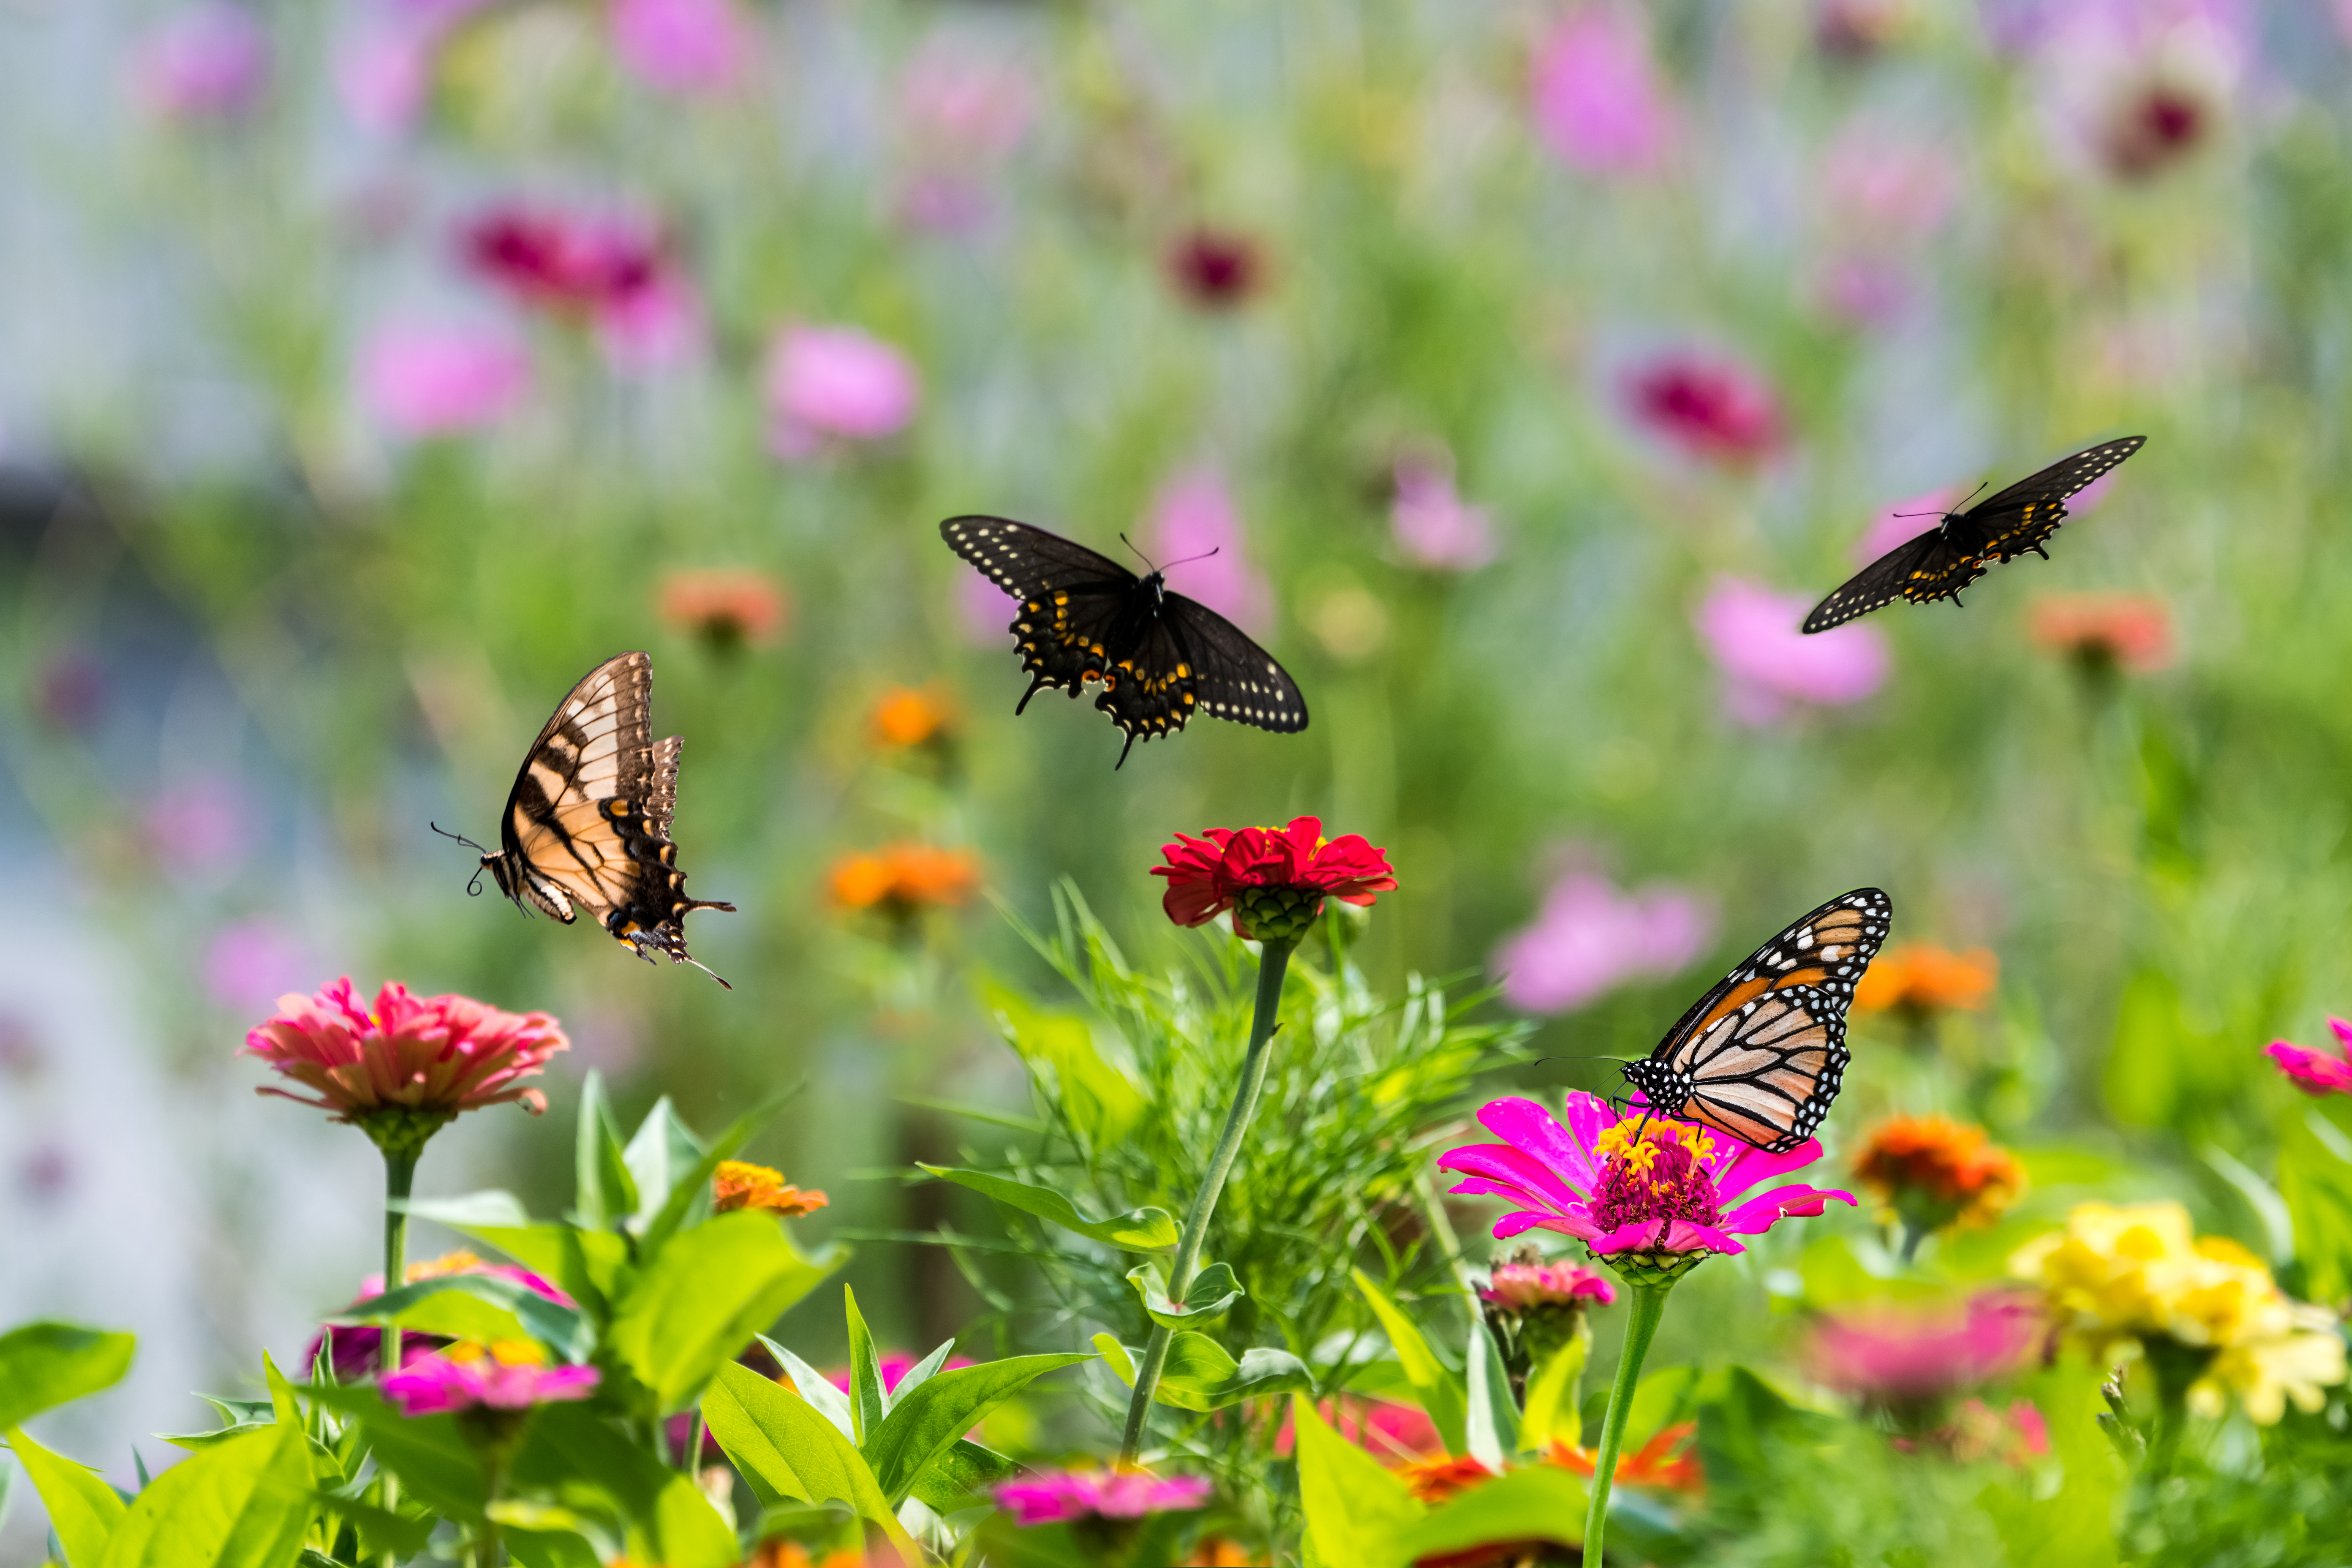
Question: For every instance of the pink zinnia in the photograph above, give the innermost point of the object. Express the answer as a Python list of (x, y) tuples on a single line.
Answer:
[(1769, 666), (835, 382), (1710, 408), (356, 1349), (1897, 1355), (894, 1366), (1589, 938), (436, 1055), (1636, 1183), (469, 1376), (1193, 521), (1054, 1497), (210, 61), (1434, 527), (427, 380), (1595, 93), (1523, 1286), (681, 46), (2313, 1070)]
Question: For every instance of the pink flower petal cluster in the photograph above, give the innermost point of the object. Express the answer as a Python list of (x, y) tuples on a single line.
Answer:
[(1711, 408), (1589, 938), (839, 382), (2313, 1070), (682, 46), (1671, 1186), (2136, 87), (423, 380), (1769, 666), (435, 1054), (1054, 1497), (1434, 527), (356, 1349), (210, 61), (1522, 1286), (1595, 94), (611, 270), (477, 1377), (1193, 521), (383, 64), (1895, 1354)]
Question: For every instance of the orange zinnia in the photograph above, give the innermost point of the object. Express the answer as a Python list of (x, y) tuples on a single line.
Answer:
[(1920, 980), (739, 1185), (1932, 1172), (725, 607), (2122, 631), (1663, 1462), (1444, 1478), (908, 717), (902, 878)]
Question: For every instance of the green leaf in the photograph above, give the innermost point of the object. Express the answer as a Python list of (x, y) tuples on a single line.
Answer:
[(1137, 1230), (1201, 1376), (786, 1450), (693, 1188), (1212, 1290), (1552, 1413), (606, 1193), (458, 1304), (492, 1208), (816, 1388), (243, 1504), (1096, 1096), (1357, 1508), (929, 1419), (2073, 1525), (670, 1521), (1492, 1421), (705, 1296), (1439, 1391), (45, 1364), (2315, 1180), (436, 1465), (915, 1376), (951, 1480), (1540, 1502), (83, 1509), (867, 1403), (660, 1152)]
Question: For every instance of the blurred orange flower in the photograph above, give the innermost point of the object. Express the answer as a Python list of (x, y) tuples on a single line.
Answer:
[(903, 879), (792, 1554), (1442, 1477), (1663, 1462), (739, 1185), (2123, 631), (1920, 980), (907, 716), (1932, 1172), (726, 607), (1218, 1552)]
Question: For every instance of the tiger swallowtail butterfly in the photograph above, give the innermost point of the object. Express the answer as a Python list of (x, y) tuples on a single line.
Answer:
[(1761, 1056), (586, 828), (1949, 556), (1158, 658)]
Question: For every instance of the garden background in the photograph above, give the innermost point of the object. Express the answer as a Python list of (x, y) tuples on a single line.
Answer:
[(370, 371)]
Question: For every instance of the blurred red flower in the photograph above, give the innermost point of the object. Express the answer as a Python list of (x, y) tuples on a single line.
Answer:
[(2313, 1070), (726, 607), (1275, 879), (1711, 408), (1215, 270), (2124, 631)]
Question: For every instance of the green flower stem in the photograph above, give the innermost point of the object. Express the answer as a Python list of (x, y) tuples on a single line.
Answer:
[(399, 1176), (1649, 1305), (1272, 963)]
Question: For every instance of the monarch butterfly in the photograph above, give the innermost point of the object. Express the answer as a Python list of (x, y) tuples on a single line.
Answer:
[(1084, 618), (1761, 1056), (1949, 556), (587, 822)]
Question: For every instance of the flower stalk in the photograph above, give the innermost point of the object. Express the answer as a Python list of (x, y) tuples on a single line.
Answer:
[(1646, 1308), (1272, 963), (399, 1176)]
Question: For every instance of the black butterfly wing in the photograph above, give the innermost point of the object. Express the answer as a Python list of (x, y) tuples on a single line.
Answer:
[(1232, 677), (1923, 568), (1028, 563), (1075, 608), (2022, 517), (1761, 1056)]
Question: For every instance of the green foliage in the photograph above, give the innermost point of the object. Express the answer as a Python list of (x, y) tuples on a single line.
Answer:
[(242, 1504), (43, 1365), (785, 1449), (1356, 1510), (2315, 1180), (1137, 1230), (1202, 1374), (83, 1509), (1212, 1290)]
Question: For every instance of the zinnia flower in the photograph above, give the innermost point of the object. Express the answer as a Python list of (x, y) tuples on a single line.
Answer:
[(1444, 1477), (1535, 1309), (902, 879), (1665, 1463), (426, 381), (1595, 93), (2137, 87), (1769, 666), (910, 717), (1711, 408), (1650, 1195), (1528, 1286), (2312, 1069), (681, 46), (1932, 1172), (402, 1068), (355, 1349), (835, 382), (1908, 1357), (2101, 632), (1214, 269), (210, 61), (1589, 938), (1274, 879), (506, 1375), (728, 607), (739, 1185), (1054, 1497), (1918, 980), (1432, 525)]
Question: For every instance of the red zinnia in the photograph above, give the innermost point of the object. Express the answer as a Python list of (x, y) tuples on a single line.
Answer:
[(1711, 408), (1275, 879)]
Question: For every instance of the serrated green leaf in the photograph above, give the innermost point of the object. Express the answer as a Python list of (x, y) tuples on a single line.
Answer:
[(1200, 1375), (929, 1419), (1212, 1290), (1137, 1230), (45, 1364), (1440, 1390), (705, 1295), (83, 1509)]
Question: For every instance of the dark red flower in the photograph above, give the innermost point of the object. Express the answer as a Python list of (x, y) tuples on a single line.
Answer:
[(556, 261), (1710, 408), (1215, 270), (1274, 879)]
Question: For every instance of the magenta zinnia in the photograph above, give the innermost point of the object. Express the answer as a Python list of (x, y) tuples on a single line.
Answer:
[(2315, 1071), (1275, 879), (510, 1375), (1055, 1496)]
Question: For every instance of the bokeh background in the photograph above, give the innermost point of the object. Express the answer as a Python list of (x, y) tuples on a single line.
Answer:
[(369, 370)]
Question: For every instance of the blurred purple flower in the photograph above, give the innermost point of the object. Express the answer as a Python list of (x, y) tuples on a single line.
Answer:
[(1769, 664), (197, 827), (1589, 938), (682, 46), (47, 1174), (435, 380), (1865, 290), (1433, 526), (1710, 408), (69, 690), (985, 609), (1192, 516), (1896, 1356), (1903, 521), (613, 268), (2315, 1071), (1054, 1497), (210, 61), (384, 71), (835, 382), (2135, 87), (653, 327), (1597, 100), (249, 963)]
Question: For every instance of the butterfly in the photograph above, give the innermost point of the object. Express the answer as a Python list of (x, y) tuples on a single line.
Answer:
[(1085, 620), (1761, 1056), (587, 822), (1949, 556)]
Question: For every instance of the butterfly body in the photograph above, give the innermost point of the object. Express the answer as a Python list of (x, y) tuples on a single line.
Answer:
[(586, 828), (1947, 558), (1761, 1056), (1151, 658)]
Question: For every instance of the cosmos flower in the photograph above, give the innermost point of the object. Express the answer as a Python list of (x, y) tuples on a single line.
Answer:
[(504, 1375), (1054, 1497), (728, 607), (1589, 938), (2134, 88), (1433, 526), (681, 46), (1275, 879), (740, 1185), (1911, 1356), (1770, 666), (2313, 1070), (1194, 520), (1933, 1172), (1918, 980), (1711, 408), (1641, 1190), (1595, 94), (208, 61), (2131, 632), (423, 380), (1215, 269), (835, 383)]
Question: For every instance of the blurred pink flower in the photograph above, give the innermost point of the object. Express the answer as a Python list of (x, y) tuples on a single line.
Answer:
[(1589, 938), (1433, 526), (1192, 516), (1901, 521), (356, 1349), (984, 609), (1052, 1497), (894, 1366), (653, 327), (838, 382), (1877, 186), (1891, 1354), (682, 46), (423, 380), (2313, 1070), (1215, 269), (2135, 87), (1387, 1431), (959, 104), (1769, 664), (435, 1054), (1522, 1286), (1710, 408), (210, 61), (197, 827), (612, 268), (1597, 100), (1864, 290), (249, 963), (469, 1376), (383, 73)]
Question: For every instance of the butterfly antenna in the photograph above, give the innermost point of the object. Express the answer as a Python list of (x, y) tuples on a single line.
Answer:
[(1190, 559), (1140, 555), (458, 837), (1973, 494)]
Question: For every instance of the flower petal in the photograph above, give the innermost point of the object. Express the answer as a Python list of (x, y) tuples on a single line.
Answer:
[(1532, 1129), (1511, 1224), (1747, 1166), (1759, 1215), (1515, 1169)]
